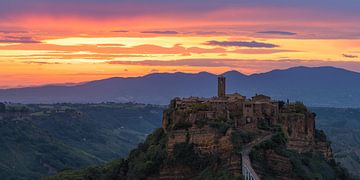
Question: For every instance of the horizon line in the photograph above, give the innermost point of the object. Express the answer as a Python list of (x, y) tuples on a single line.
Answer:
[(71, 84)]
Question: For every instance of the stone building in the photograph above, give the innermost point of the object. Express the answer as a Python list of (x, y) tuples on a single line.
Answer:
[(244, 112)]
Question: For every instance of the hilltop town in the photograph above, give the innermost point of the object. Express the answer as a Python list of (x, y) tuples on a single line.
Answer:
[(246, 114), (233, 113), (228, 137)]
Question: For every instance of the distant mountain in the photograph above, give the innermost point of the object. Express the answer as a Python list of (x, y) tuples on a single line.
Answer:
[(316, 86)]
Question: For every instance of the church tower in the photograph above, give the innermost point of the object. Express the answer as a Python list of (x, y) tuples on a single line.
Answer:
[(221, 87)]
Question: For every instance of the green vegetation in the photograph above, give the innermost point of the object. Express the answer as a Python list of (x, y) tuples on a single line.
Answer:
[(183, 125), (222, 127), (300, 107), (199, 107), (184, 154), (310, 165), (38, 140), (210, 174), (28, 152), (2, 108), (342, 127), (320, 135), (264, 125), (201, 123), (240, 138), (142, 162)]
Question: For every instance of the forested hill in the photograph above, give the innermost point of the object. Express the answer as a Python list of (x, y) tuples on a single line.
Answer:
[(38, 140)]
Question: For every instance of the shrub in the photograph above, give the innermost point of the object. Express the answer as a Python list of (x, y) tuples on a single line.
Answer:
[(300, 107), (222, 127), (279, 138), (199, 107), (2, 107), (200, 123), (184, 153), (320, 135), (183, 125), (148, 157), (264, 125)]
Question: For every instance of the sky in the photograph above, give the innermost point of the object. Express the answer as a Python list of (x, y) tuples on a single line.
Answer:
[(71, 41)]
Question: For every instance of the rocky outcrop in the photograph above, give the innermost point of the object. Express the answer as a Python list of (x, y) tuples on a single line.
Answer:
[(208, 141), (299, 129), (324, 148), (278, 165), (178, 172)]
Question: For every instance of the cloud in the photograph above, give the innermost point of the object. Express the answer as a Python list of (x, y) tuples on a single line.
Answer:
[(250, 44), (286, 33), (41, 62), (205, 33), (109, 49), (17, 39), (261, 51), (12, 32), (120, 31), (350, 56), (160, 32), (182, 62), (110, 45), (154, 71)]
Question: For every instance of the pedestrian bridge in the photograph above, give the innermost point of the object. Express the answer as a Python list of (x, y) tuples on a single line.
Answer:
[(247, 170)]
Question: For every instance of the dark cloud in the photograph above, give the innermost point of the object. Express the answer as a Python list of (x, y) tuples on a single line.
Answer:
[(12, 32), (210, 33), (251, 44), (261, 51), (17, 39), (41, 62), (110, 45), (120, 31), (160, 32), (350, 56), (277, 33)]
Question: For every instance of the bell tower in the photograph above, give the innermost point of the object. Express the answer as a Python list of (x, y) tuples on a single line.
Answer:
[(221, 87)]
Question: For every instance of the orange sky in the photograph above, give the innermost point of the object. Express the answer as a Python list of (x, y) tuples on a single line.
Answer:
[(47, 42)]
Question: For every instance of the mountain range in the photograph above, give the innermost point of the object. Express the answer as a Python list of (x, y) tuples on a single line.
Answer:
[(315, 86)]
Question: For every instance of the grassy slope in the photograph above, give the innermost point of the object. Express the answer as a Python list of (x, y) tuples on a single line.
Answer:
[(54, 137), (28, 152), (342, 127)]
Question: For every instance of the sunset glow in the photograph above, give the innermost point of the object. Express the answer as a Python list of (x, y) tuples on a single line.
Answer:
[(53, 41)]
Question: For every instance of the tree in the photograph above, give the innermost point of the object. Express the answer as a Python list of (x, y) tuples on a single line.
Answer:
[(2, 107)]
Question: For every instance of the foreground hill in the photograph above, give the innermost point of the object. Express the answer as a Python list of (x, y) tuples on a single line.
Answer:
[(52, 135), (38, 140), (321, 86), (210, 139)]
